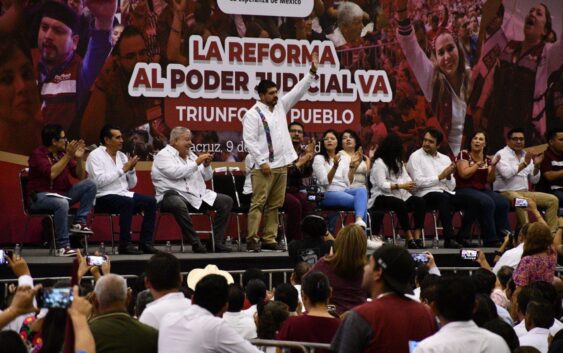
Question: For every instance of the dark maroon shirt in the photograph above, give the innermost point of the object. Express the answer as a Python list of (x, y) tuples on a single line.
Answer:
[(346, 292), (306, 328), (40, 163), (552, 162), (478, 180)]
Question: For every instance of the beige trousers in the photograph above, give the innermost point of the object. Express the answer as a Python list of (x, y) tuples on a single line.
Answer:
[(536, 200), (268, 194)]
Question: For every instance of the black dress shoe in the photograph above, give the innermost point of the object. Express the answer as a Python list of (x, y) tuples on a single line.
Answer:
[(222, 248), (419, 243), (148, 249), (129, 250), (411, 244), (199, 248), (273, 246), (452, 244)]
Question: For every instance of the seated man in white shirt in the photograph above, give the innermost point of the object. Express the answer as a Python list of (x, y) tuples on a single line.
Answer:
[(539, 318), (114, 175), (243, 324), (537, 291), (432, 172), (179, 177), (163, 279), (515, 170), (200, 329), (454, 304)]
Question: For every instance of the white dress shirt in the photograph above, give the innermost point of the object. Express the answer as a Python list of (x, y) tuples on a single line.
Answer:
[(170, 303), (250, 311), (321, 168), (510, 258), (508, 178), (196, 330), (108, 175), (424, 169), (241, 323), (463, 337), (537, 338), (254, 135), (520, 329), (16, 324), (381, 179), (171, 172)]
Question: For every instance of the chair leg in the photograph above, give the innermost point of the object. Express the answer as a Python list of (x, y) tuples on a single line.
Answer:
[(238, 232), (435, 218), (212, 233), (393, 230), (53, 239), (24, 232), (282, 225)]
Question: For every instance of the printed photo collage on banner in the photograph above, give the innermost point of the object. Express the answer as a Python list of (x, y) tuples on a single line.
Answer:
[(384, 66)]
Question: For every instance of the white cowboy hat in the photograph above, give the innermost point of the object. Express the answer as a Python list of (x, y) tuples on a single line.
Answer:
[(198, 273)]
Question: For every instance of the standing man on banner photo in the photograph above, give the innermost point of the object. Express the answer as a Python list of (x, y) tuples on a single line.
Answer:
[(64, 77), (267, 139)]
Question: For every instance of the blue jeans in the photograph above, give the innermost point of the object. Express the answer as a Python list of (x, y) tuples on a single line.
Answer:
[(493, 212), (353, 199), (83, 192), (559, 194)]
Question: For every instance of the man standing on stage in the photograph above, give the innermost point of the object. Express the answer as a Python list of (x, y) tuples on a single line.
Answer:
[(267, 139)]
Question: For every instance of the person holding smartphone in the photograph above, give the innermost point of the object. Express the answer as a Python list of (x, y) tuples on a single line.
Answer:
[(515, 170)]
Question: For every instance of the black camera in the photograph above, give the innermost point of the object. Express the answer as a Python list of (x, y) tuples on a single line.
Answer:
[(314, 192)]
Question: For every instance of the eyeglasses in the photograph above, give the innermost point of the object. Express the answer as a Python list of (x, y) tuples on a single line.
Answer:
[(134, 55), (296, 131), (517, 138)]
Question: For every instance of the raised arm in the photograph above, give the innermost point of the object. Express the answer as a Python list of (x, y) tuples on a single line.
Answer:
[(298, 91)]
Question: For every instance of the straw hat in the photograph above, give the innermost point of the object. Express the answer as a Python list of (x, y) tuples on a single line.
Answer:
[(198, 273)]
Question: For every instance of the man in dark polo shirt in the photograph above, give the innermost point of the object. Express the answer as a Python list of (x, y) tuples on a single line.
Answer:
[(49, 188), (114, 330), (391, 321), (552, 165)]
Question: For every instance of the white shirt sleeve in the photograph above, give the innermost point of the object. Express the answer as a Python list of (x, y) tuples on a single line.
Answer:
[(250, 125), (229, 341), (165, 164), (148, 318), (506, 167), (418, 61), (378, 176), (319, 170), (422, 181), (97, 171), (297, 92)]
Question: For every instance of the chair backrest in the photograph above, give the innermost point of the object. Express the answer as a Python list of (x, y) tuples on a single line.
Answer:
[(23, 178), (224, 183)]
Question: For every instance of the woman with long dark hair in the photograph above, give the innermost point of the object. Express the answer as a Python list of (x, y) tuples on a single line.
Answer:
[(474, 174), (391, 190), (332, 172)]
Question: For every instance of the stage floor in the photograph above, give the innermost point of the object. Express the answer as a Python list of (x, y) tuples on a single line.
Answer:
[(42, 264)]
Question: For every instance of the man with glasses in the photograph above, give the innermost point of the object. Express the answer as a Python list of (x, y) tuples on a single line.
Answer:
[(296, 204), (49, 187), (64, 77), (515, 170), (110, 101)]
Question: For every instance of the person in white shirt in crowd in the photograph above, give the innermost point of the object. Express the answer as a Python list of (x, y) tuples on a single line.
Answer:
[(256, 292), (179, 176), (506, 257), (200, 329), (515, 170), (537, 291), (432, 172), (425, 268), (163, 279), (267, 139), (392, 187), (243, 324), (484, 282), (114, 175), (539, 318), (454, 304), (334, 175)]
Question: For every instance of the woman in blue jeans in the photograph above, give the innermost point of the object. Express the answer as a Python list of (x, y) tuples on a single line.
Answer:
[(333, 172), (474, 174)]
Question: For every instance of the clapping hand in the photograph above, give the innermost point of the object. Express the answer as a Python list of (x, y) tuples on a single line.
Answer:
[(130, 164), (538, 158), (80, 149)]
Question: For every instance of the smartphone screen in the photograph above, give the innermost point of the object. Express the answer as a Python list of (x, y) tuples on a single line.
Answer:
[(468, 254), (3, 259), (55, 298), (521, 203), (420, 258), (95, 260)]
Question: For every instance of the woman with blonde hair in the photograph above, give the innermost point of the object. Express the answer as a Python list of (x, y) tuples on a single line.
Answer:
[(539, 259), (344, 268)]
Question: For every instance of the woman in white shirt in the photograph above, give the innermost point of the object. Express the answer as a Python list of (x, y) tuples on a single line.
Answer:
[(332, 172), (391, 190), (359, 172)]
